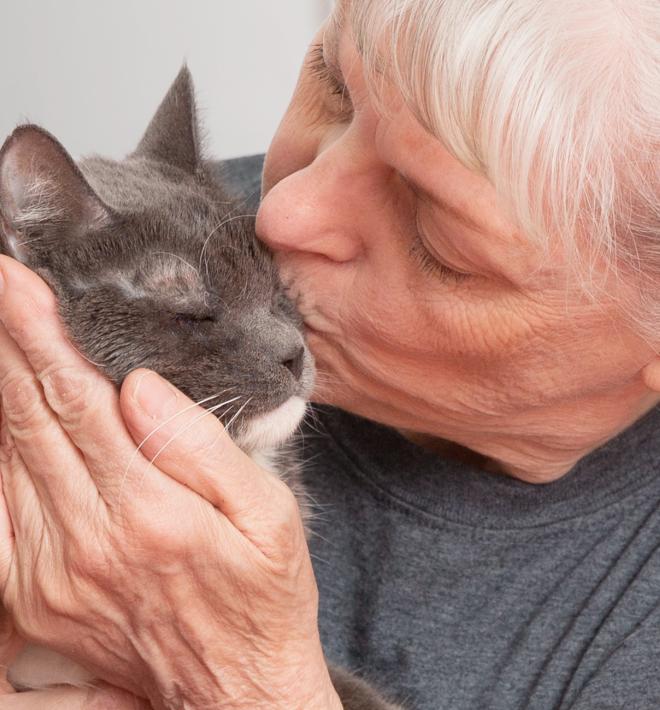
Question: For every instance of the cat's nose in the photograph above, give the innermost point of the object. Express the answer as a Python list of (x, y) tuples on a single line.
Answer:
[(294, 362)]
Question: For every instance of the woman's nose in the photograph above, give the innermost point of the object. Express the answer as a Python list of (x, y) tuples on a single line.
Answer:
[(315, 210)]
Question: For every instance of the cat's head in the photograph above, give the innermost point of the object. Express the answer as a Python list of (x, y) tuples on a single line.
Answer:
[(155, 266)]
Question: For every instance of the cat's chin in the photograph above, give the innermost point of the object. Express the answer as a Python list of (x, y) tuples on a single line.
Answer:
[(272, 429)]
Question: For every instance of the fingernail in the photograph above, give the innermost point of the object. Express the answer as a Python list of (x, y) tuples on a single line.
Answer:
[(156, 397)]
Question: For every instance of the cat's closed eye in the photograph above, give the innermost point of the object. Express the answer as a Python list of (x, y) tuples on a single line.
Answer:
[(193, 319)]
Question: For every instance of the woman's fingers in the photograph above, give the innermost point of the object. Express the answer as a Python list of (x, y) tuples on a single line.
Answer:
[(32, 437), (7, 538), (20, 500), (63, 413), (10, 645), (194, 448), (73, 699)]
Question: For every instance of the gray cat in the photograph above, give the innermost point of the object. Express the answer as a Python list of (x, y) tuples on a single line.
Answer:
[(154, 266)]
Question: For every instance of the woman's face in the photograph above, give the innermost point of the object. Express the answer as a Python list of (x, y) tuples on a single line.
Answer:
[(426, 308)]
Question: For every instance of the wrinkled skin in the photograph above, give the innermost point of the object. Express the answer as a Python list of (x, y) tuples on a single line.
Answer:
[(505, 357)]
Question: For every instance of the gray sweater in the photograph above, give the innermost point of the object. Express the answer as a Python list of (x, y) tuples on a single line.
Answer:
[(457, 589)]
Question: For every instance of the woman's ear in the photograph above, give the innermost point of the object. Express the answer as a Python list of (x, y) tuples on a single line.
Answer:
[(651, 375)]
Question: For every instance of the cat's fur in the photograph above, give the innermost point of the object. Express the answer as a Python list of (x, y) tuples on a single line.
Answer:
[(155, 266)]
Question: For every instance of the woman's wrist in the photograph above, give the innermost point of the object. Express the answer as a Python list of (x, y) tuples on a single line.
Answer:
[(258, 684), (320, 694)]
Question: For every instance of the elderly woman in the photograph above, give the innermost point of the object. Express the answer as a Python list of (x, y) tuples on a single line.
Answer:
[(464, 195)]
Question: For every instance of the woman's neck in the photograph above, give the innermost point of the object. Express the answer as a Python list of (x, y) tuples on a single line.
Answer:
[(544, 446)]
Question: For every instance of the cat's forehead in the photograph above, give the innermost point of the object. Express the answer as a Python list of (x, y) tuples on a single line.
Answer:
[(169, 273), (157, 275), (176, 265), (175, 238)]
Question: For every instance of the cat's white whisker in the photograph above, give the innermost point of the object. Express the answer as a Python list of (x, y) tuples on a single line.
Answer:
[(215, 231), (318, 559), (213, 409), (312, 421), (181, 431), (186, 409), (160, 426), (241, 408), (180, 258), (313, 533)]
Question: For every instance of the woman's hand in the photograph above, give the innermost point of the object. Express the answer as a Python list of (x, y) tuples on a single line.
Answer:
[(105, 698), (188, 582)]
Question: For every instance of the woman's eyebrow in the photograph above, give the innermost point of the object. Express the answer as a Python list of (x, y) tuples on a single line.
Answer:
[(443, 206)]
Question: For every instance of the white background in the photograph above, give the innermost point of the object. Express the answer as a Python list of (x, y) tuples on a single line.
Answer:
[(92, 72)]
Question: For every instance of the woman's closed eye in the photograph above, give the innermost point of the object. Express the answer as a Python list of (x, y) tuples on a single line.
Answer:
[(427, 258), (429, 262)]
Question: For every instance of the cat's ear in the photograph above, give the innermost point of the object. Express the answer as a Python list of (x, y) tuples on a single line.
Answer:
[(43, 195), (172, 136)]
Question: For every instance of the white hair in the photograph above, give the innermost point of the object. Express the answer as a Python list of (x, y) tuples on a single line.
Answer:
[(556, 102)]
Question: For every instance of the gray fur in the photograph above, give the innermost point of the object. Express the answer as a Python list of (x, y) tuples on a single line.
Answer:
[(155, 266)]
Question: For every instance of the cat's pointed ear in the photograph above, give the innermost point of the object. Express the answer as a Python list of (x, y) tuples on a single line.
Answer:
[(173, 134), (43, 195)]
